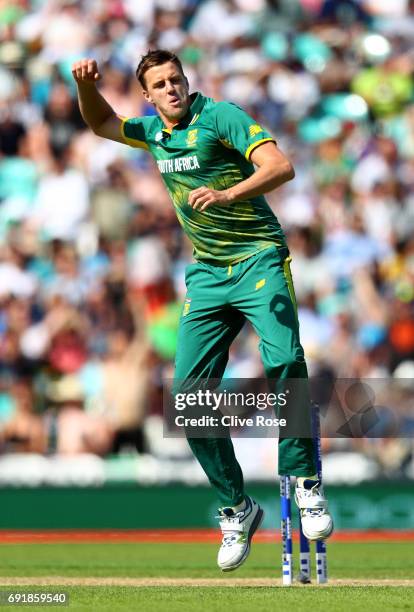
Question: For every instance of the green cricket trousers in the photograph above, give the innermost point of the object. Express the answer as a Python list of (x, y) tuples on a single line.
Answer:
[(218, 302)]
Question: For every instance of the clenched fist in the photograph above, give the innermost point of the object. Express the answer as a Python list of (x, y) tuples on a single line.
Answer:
[(86, 71)]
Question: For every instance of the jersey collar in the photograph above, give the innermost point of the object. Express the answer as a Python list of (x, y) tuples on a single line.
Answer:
[(193, 113)]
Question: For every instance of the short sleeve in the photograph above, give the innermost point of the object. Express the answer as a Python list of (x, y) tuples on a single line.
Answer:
[(237, 130), (133, 131)]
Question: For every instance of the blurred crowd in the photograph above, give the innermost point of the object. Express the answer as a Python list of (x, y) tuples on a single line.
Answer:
[(92, 258)]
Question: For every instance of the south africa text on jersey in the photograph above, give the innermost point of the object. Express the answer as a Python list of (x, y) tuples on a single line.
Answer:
[(179, 164)]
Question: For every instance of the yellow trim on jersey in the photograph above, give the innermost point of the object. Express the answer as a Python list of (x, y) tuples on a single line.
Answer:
[(288, 277), (194, 119), (132, 142), (252, 147)]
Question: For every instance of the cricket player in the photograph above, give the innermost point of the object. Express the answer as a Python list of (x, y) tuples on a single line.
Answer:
[(206, 152)]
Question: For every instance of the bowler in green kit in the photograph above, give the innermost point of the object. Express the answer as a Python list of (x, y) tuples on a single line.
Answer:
[(206, 152)]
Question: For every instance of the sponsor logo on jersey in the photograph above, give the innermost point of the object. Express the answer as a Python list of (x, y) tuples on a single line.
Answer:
[(192, 137), (255, 129), (178, 164)]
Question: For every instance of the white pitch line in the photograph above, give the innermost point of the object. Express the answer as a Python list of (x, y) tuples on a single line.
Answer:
[(189, 582)]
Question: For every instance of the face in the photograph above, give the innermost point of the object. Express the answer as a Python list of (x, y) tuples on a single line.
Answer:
[(167, 89)]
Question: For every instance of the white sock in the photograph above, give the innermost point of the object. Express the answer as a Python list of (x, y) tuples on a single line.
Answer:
[(301, 479), (240, 507)]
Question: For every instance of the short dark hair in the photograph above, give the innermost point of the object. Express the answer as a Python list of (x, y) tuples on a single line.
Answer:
[(156, 58)]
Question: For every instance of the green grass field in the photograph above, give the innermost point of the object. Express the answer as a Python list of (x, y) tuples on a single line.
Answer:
[(114, 564)]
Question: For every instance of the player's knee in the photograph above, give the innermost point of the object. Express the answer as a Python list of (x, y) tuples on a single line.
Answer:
[(294, 358), (294, 362), (291, 364)]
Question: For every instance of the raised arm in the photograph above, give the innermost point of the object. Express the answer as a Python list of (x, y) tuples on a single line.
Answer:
[(95, 110)]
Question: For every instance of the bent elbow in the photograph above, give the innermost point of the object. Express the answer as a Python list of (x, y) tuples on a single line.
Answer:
[(290, 172), (97, 129)]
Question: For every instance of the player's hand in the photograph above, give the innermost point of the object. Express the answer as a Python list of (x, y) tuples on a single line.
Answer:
[(200, 199), (86, 71)]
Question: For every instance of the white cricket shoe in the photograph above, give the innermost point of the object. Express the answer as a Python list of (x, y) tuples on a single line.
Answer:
[(317, 523), (238, 529)]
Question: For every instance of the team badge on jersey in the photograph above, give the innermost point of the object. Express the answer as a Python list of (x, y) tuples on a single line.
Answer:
[(192, 137)]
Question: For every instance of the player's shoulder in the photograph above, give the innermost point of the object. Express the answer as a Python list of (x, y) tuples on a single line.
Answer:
[(227, 105), (224, 112), (221, 107), (139, 130)]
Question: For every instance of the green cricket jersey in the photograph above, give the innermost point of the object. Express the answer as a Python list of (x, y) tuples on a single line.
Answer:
[(211, 147)]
